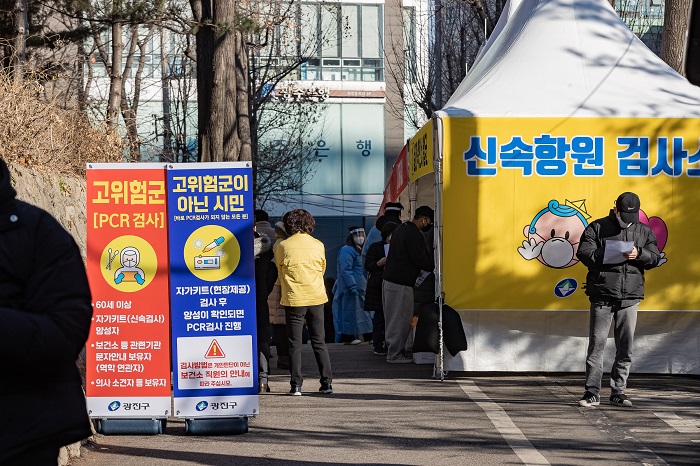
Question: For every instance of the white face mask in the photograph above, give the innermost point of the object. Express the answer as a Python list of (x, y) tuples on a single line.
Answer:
[(622, 223), (359, 240)]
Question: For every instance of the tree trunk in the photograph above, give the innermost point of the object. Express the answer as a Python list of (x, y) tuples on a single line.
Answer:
[(675, 29), (242, 96), (224, 130), (19, 56), (129, 111), (202, 12), (167, 154), (224, 123), (116, 77)]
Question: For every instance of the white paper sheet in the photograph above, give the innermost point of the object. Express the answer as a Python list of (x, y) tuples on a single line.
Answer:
[(614, 250)]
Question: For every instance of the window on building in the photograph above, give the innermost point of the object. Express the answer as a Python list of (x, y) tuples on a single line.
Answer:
[(344, 42), (409, 44)]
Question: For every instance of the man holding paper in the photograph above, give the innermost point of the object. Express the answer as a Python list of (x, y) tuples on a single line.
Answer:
[(616, 249)]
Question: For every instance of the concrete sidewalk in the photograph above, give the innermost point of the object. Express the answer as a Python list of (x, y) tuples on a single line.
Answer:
[(399, 415)]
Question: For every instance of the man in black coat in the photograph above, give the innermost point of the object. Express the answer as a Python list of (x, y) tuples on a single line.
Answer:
[(408, 259), (615, 286), (45, 314)]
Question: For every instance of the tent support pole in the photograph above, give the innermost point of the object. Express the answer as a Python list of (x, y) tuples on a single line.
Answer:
[(437, 167)]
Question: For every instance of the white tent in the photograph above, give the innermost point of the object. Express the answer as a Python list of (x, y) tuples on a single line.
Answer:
[(554, 68)]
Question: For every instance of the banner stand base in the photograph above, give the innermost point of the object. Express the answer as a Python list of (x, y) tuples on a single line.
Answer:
[(130, 426), (217, 426)]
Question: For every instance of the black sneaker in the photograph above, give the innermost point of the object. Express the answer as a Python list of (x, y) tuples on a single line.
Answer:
[(380, 351), (326, 388), (589, 399), (296, 391), (620, 400)]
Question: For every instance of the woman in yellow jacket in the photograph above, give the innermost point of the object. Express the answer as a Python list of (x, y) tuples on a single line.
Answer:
[(301, 262)]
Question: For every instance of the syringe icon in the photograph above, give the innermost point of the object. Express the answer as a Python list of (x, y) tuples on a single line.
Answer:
[(217, 242)]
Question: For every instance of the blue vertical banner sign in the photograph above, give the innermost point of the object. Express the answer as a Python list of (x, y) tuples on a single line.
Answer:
[(212, 292)]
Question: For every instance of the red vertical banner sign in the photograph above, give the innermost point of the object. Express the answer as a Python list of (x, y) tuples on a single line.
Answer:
[(128, 350)]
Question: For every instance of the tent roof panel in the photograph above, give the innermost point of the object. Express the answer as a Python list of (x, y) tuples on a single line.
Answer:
[(571, 58)]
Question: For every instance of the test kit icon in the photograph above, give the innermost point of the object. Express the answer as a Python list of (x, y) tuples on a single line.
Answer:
[(207, 262)]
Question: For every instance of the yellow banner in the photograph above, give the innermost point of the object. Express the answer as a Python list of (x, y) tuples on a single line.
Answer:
[(518, 193), (420, 152)]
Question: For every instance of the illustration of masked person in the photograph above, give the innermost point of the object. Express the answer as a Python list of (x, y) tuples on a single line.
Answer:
[(553, 234), (129, 259)]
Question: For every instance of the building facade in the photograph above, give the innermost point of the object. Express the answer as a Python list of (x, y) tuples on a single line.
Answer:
[(355, 58)]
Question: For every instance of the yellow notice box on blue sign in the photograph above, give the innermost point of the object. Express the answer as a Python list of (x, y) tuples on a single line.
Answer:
[(518, 193)]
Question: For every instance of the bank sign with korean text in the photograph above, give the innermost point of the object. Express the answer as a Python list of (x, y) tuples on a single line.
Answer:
[(519, 192), (128, 349), (212, 289)]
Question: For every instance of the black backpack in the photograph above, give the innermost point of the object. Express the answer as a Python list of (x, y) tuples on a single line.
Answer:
[(427, 337)]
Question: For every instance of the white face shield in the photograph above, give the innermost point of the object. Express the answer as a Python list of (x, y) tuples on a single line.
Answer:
[(358, 236)]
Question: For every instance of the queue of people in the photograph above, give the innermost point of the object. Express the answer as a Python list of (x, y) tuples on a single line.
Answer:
[(371, 299)]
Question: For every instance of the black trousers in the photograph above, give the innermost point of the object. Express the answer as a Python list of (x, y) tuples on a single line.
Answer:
[(279, 334), (313, 315), (378, 329)]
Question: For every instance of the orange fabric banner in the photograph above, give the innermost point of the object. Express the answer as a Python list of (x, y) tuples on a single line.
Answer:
[(128, 350)]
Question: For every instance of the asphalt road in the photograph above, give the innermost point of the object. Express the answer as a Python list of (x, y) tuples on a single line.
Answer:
[(399, 415)]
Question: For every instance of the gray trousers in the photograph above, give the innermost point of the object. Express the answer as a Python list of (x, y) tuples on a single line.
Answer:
[(602, 315), (397, 301)]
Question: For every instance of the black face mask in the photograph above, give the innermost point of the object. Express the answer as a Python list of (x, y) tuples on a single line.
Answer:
[(427, 228)]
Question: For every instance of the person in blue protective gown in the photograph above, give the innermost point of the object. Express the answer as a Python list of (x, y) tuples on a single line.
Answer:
[(349, 317)]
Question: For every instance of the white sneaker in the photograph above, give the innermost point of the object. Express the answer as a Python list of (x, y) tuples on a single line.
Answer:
[(354, 342)]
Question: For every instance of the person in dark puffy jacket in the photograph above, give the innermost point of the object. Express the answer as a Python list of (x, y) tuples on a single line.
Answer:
[(45, 314), (614, 287)]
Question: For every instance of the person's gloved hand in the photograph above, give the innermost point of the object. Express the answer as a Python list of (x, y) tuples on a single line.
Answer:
[(119, 278), (353, 291), (139, 279)]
